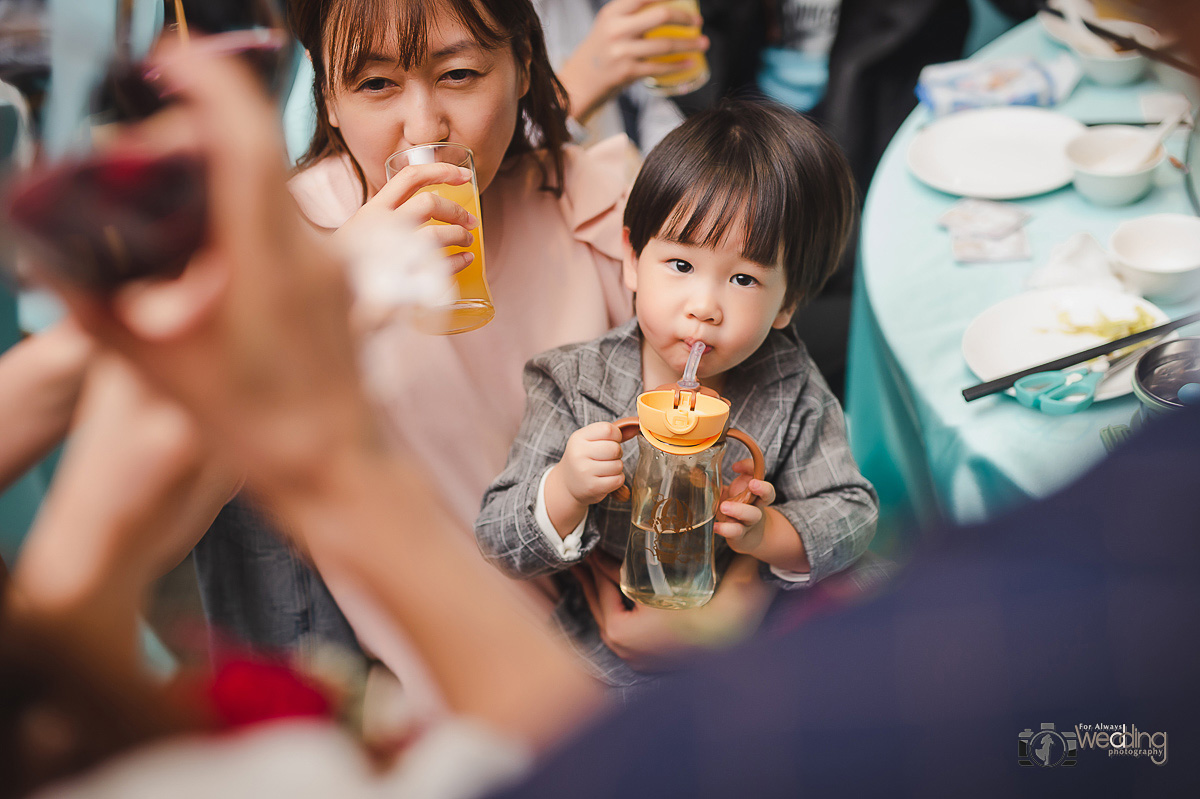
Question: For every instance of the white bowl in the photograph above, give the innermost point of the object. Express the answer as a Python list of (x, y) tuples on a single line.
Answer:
[(1118, 69), (1159, 255), (1102, 186)]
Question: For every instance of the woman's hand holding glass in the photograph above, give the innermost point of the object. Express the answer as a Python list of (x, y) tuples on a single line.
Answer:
[(616, 52), (400, 202)]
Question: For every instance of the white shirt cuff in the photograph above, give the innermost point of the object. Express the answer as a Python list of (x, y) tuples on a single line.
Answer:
[(791, 577), (568, 548)]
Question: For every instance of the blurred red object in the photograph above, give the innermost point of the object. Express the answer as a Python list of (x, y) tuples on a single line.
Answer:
[(245, 692)]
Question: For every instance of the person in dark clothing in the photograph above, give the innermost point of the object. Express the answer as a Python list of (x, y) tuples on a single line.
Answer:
[(1078, 610), (879, 48), (878, 52), (736, 33)]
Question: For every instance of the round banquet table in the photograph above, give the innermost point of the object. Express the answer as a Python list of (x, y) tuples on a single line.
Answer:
[(932, 455)]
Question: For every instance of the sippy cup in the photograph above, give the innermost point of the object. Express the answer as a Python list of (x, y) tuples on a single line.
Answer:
[(669, 561)]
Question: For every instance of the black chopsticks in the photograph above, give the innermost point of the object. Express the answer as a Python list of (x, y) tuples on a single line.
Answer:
[(1006, 382), (1130, 43)]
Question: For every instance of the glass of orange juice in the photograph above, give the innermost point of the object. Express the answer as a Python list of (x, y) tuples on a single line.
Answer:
[(689, 78), (468, 304)]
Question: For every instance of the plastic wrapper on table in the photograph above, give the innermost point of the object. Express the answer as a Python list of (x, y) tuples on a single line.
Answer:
[(959, 85)]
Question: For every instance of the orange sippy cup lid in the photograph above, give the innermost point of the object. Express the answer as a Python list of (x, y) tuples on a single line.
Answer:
[(682, 421)]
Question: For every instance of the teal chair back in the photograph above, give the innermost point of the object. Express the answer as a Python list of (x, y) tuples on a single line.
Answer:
[(299, 112), (987, 22), (19, 503)]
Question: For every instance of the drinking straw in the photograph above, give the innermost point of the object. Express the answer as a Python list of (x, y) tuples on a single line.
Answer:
[(654, 569), (693, 365)]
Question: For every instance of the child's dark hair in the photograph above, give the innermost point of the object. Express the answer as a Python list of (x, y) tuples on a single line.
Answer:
[(755, 163), (346, 31)]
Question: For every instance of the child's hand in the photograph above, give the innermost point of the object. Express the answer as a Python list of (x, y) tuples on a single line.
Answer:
[(614, 54), (398, 203), (742, 524), (590, 468)]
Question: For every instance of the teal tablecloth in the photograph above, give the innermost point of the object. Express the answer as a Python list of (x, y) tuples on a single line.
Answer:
[(931, 454)]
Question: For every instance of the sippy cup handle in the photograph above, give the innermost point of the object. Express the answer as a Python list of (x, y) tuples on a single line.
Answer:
[(760, 466), (625, 425)]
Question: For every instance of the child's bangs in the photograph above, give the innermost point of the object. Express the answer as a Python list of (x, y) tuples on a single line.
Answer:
[(360, 31), (717, 207)]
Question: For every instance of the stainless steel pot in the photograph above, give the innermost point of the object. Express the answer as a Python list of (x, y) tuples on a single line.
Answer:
[(1160, 373)]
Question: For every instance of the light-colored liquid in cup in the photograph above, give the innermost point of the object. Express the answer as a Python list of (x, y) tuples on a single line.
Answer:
[(689, 78), (463, 310), (674, 569)]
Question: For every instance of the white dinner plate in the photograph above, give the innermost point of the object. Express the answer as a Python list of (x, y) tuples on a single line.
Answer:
[(995, 153), (1025, 330)]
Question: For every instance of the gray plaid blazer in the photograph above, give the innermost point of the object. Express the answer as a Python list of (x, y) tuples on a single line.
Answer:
[(777, 396)]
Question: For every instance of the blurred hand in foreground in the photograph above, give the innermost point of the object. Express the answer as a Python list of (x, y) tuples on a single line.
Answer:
[(253, 336), (136, 488)]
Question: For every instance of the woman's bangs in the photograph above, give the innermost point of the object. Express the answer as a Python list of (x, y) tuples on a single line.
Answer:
[(360, 31)]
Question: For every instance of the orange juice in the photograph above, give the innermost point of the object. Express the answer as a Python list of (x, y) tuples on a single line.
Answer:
[(469, 303), (689, 78)]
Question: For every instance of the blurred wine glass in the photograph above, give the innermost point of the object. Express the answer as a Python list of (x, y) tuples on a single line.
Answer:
[(253, 30), (115, 213)]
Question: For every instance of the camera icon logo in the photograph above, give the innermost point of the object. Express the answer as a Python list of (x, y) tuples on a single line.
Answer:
[(1047, 747)]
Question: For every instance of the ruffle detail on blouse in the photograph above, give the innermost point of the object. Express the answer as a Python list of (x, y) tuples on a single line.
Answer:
[(327, 192), (596, 186)]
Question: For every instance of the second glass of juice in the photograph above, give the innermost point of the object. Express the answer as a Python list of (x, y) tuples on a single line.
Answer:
[(689, 78), (468, 305)]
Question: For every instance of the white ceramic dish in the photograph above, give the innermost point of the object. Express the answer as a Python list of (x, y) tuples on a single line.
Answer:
[(1087, 153), (995, 153), (1025, 330), (1118, 69), (1159, 255)]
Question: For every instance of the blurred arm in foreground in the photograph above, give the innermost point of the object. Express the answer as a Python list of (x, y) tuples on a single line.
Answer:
[(254, 340)]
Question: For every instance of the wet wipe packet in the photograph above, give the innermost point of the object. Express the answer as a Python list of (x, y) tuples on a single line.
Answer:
[(1019, 80)]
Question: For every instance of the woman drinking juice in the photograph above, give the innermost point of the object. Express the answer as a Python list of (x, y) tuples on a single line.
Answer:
[(391, 75)]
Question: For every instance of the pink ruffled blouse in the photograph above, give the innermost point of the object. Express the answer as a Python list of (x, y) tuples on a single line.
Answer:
[(554, 268)]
